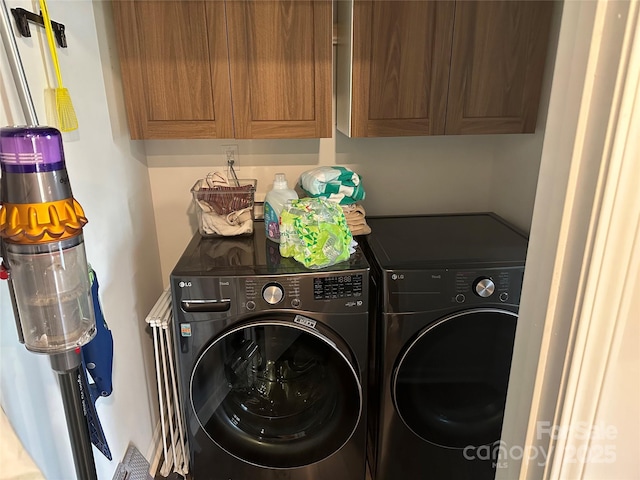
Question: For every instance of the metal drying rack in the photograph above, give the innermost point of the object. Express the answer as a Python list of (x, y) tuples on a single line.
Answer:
[(175, 454)]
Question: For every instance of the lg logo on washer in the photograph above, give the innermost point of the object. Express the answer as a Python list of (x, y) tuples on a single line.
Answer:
[(184, 284), (396, 276)]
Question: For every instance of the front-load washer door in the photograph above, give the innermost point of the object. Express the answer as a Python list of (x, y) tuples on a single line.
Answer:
[(276, 393), (449, 385)]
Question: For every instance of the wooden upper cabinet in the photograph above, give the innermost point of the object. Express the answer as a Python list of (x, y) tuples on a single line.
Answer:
[(281, 67), (440, 67), (234, 69), (497, 64), (173, 57), (399, 54)]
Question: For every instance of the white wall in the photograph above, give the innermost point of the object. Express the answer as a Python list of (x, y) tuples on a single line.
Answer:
[(400, 175), (109, 178)]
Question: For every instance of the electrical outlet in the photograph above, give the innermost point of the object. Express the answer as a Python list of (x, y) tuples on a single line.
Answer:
[(231, 155)]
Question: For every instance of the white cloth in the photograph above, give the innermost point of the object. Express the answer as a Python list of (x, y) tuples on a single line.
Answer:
[(235, 223)]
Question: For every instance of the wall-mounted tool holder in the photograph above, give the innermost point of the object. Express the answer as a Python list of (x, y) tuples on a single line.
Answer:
[(23, 17)]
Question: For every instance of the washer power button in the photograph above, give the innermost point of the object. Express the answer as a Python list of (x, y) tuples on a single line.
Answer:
[(460, 298), (504, 296)]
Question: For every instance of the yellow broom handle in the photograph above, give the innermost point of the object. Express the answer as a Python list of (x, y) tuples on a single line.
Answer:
[(50, 40)]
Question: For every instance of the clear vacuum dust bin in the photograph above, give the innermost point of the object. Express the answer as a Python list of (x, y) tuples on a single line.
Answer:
[(52, 294), (41, 229)]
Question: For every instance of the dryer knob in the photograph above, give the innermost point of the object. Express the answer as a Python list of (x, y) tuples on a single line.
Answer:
[(484, 287), (272, 293)]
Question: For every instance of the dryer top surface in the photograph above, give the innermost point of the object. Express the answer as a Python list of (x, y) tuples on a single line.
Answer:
[(417, 242)]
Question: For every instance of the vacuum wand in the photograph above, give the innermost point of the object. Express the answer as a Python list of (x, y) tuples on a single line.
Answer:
[(43, 251), (74, 392)]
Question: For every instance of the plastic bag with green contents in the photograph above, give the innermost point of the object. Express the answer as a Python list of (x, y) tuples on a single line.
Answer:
[(315, 233)]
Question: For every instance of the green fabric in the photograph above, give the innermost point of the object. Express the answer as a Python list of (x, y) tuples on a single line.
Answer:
[(315, 233)]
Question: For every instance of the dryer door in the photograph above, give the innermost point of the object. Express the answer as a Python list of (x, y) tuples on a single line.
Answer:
[(276, 393), (450, 384)]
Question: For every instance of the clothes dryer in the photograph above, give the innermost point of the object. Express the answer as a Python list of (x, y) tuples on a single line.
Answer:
[(449, 289), (272, 361)]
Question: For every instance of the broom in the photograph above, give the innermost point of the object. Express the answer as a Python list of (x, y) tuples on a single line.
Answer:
[(58, 99)]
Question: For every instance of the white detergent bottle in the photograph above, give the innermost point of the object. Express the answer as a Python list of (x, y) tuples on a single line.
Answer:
[(274, 202)]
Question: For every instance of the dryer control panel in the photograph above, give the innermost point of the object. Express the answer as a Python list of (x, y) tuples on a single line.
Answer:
[(422, 290), (495, 285)]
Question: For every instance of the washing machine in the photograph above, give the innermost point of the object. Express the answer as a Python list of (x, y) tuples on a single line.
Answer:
[(448, 288), (272, 361)]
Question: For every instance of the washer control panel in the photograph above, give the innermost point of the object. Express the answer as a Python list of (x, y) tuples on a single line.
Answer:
[(319, 292), (337, 286)]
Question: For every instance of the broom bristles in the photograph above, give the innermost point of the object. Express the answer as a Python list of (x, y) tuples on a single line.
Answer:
[(67, 120)]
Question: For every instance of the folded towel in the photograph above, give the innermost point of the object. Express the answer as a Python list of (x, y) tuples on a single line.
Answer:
[(337, 184), (354, 214), (356, 222), (360, 230)]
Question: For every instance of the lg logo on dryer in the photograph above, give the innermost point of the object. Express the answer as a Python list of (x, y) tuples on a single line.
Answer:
[(184, 284), (396, 276)]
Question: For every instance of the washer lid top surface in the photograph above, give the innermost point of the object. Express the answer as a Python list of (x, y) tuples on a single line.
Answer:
[(249, 255), (467, 239)]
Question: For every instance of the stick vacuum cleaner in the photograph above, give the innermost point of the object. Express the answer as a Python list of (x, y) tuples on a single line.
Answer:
[(43, 251)]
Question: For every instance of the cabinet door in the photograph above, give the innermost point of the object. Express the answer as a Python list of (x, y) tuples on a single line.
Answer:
[(280, 58), (175, 73), (400, 62), (497, 64)]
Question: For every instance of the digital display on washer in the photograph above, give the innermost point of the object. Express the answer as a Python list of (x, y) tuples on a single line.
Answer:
[(339, 286)]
